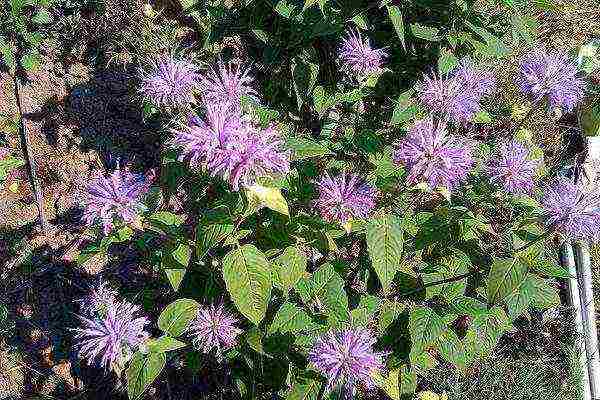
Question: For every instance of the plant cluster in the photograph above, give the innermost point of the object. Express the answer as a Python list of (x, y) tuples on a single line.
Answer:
[(342, 245)]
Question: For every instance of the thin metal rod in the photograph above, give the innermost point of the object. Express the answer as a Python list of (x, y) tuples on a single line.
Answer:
[(568, 261)]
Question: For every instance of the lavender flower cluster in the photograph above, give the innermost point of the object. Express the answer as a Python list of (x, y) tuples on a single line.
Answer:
[(111, 330)]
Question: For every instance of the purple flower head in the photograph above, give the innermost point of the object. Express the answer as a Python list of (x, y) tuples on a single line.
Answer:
[(226, 84), (344, 197), (98, 300), (228, 145), (214, 328), (111, 334), (116, 196), (572, 211), (346, 359), (482, 82), (4, 152), (432, 155), (551, 75), (358, 57), (512, 168), (170, 82), (458, 96)]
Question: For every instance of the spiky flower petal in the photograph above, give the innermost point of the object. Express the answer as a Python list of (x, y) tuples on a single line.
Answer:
[(346, 358), (551, 75), (458, 96), (513, 168), (114, 198), (111, 333), (432, 155), (358, 57), (214, 328), (573, 211), (227, 144), (226, 83), (344, 197), (170, 82)]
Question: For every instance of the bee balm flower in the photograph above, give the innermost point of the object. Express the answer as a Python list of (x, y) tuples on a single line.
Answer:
[(344, 197), (346, 359), (358, 57), (214, 328)]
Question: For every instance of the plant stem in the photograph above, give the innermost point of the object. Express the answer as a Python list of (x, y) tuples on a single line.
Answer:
[(440, 282), (29, 159)]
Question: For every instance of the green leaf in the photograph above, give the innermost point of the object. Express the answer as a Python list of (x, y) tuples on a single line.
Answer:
[(424, 32), (304, 78), (247, 275), (288, 268), (175, 277), (487, 329), (290, 319), (545, 294), (326, 287), (452, 265), (167, 218), (452, 349), (31, 61), (270, 197), (8, 55), (142, 371), (463, 305), (390, 310), (254, 340), (210, 234), (176, 316), (187, 5), (390, 384), (504, 278), (306, 148), (384, 243), (517, 302), (425, 327), (42, 17), (405, 108), (397, 20), (307, 387), (164, 344), (447, 61), (362, 315)]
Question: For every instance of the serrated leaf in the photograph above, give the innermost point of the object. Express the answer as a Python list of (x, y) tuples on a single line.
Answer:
[(306, 388), (143, 370), (42, 17), (545, 295), (326, 287), (175, 318), (290, 319), (304, 78), (487, 329), (452, 349), (396, 17), (247, 275), (254, 340), (384, 243), (31, 61), (405, 108), (425, 327), (288, 268), (505, 276), (306, 148), (167, 218), (447, 61), (424, 32), (365, 311), (390, 310), (270, 197), (175, 277), (209, 235), (452, 265), (164, 344)]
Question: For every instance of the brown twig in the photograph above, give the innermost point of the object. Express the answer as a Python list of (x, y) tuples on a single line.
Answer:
[(30, 160)]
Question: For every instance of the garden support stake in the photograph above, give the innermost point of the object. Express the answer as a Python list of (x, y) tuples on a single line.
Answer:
[(568, 261), (30, 160), (588, 311)]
